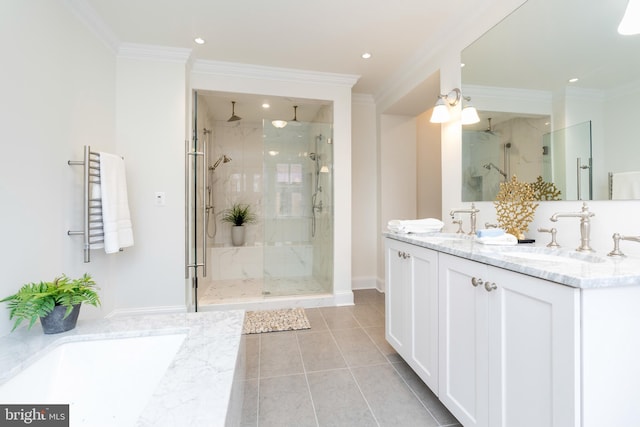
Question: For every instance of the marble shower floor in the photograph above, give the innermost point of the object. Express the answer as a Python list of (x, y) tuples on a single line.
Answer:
[(239, 290)]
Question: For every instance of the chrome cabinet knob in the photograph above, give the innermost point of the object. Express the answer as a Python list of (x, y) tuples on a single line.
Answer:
[(476, 282), (490, 286)]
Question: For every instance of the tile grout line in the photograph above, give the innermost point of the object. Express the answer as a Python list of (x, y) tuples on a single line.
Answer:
[(399, 375), (306, 379), (259, 380), (415, 394), (351, 372)]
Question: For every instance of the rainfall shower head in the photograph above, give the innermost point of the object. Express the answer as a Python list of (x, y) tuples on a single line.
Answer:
[(490, 128), (233, 117), (223, 159), (295, 121)]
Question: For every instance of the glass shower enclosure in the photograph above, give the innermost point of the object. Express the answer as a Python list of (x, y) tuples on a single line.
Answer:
[(297, 209)]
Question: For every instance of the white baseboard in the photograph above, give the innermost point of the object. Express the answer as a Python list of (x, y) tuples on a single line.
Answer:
[(364, 283), (120, 312)]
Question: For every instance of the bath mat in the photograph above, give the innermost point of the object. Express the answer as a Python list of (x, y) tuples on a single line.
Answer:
[(288, 319)]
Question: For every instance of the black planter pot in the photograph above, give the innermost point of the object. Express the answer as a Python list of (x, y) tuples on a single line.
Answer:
[(55, 322)]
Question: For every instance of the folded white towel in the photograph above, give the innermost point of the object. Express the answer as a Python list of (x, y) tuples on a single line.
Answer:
[(626, 186), (426, 225), (504, 240), (118, 232)]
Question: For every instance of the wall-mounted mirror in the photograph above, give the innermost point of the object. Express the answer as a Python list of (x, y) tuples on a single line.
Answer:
[(517, 75)]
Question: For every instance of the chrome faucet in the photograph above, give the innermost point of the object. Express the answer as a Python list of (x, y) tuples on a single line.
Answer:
[(585, 225), (472, 211), (553, 231), (616, 243)]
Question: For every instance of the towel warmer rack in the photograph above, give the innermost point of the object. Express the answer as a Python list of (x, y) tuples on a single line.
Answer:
[(93, 229)]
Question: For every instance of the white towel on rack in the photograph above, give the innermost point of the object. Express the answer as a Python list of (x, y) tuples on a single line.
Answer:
[(118, 232), (626, 186)]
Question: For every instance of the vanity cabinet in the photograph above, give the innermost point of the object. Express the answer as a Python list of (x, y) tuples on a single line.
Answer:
[(509, 347), (411, 298)]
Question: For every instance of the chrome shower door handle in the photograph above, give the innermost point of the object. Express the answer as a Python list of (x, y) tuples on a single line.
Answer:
[(186, 209), (205, 184)]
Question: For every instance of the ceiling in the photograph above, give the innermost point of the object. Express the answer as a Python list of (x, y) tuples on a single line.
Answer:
[(325, 36)]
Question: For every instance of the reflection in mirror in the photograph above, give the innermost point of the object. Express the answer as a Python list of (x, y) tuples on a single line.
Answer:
[(568, 161), (521, 68), (508, 145)]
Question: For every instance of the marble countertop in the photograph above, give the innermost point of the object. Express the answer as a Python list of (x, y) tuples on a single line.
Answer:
[(195, 389), (561, 265)]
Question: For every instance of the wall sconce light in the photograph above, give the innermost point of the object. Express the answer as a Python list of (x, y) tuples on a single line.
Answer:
[(469, 113), (279, 123), (441, 113), (630, 23)]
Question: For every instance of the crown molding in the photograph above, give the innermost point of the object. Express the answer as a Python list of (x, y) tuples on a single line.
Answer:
[(154, 53), (90, 18), (363, 99), (493, 92), (231, 69)]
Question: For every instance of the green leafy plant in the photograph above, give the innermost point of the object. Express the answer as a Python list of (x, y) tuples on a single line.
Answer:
[(35, 300), (238, 214)]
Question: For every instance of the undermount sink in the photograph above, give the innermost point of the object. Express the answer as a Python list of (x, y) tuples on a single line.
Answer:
[(551, 255)]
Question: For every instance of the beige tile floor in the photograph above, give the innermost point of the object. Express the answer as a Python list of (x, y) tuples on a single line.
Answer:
[(341, 372)]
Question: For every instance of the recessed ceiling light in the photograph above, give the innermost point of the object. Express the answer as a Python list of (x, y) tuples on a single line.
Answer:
[(199, 40), (573, 80), (366, 55), (266, 105), (462, 64)]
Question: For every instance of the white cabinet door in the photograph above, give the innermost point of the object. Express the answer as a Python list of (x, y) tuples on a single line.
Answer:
[(424, 315), (463, 348), (412, 307), (533, 351), (397, 296)]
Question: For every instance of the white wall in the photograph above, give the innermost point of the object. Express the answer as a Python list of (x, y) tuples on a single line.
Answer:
[(57, 84), (364, 194), (429, 168), (150, 135), (398, 176)]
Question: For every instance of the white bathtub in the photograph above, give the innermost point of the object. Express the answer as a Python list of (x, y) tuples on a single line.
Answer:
[(106, 382)]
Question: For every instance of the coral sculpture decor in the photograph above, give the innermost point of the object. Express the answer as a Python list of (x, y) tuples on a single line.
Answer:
[(515, 206), (543, 190)]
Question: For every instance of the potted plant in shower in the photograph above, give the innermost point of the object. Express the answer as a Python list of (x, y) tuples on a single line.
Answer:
[(56, 303), (238, 215)]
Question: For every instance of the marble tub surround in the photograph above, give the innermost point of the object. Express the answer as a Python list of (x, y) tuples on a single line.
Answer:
[(568, 267), (197, 387)]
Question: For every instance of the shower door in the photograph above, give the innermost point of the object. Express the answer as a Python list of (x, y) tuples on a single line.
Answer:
[(298, 209), (195, 214)]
